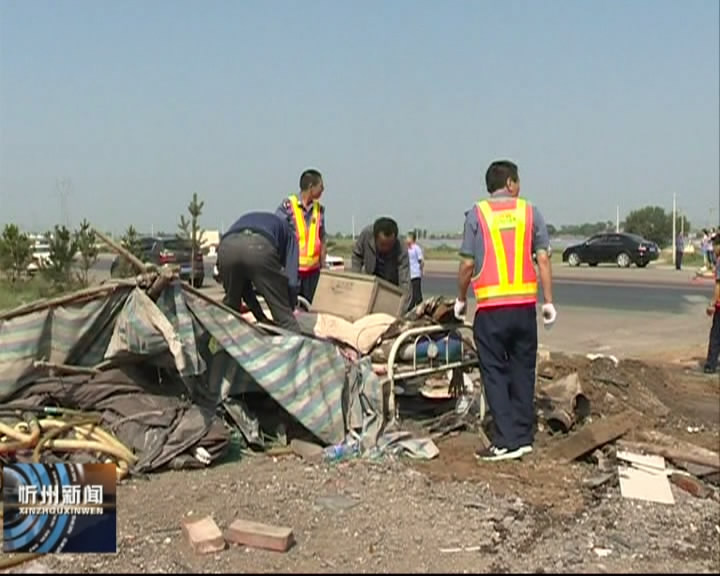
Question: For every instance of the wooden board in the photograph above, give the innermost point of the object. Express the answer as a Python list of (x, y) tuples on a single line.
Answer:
[(592, 436)]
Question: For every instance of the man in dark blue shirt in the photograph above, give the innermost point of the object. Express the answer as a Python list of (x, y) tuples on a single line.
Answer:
[(261, 250)]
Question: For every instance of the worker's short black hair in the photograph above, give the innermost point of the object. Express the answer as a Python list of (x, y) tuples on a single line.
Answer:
[(412, 235), (498, 173), (386, 226), (309, 178)]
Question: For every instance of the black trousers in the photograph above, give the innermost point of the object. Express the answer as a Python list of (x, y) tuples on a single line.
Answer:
[(246, 260), (416, 292), (678, 259), (506, 341), (308, 284), (714, 343)]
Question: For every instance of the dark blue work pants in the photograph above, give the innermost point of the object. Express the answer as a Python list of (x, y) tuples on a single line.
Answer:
[(506, 342), (308, 284)]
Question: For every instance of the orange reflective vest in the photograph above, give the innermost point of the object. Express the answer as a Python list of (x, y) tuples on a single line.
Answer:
[(309, 243), (507, 276)]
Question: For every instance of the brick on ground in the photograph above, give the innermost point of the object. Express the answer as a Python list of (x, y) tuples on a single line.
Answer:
[(203, 535), (257, 535), (690, 484)]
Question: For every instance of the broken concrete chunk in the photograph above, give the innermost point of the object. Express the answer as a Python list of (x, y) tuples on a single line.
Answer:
[(598, 480), (306, 450), (690, 484), (203, 535), (256, 535)]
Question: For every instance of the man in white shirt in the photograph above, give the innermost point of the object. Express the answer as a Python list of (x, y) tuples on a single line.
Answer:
[(417, 264)]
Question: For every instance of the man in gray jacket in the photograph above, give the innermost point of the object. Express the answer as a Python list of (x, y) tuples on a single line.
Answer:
[(379, 252)]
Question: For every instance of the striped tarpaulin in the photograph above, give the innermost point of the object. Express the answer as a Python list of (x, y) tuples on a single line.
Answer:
[(68, 334), (306, 376)]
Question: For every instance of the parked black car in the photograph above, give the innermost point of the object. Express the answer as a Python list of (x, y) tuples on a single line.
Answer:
[(160, 250), (621, 249)]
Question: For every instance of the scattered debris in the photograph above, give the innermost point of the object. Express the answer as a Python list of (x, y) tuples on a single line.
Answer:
[(592, 357), (562, 403), (678, 451), (256, 535), (602, 552), (598, 480), (462, 549), (337, 502), (203, 535), (595, 434)]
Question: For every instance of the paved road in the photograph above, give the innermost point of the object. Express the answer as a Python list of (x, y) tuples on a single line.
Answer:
[(639, 290), (590, 293)]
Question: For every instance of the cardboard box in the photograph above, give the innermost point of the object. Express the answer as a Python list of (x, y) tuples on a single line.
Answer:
[(352, 296)]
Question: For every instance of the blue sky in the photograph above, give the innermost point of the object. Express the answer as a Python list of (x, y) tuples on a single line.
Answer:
[(401, 104)]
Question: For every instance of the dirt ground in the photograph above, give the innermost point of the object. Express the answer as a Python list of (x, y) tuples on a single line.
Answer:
[(449, 515)]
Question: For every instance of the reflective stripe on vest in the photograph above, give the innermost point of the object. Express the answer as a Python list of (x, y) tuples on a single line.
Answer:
[(507, 276), (309, 244)]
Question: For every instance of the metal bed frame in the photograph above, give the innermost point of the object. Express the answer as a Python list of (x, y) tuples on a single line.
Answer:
[(398, 370)]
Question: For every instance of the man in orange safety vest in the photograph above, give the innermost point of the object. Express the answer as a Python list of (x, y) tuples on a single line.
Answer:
[(501, 234), (307, 219)]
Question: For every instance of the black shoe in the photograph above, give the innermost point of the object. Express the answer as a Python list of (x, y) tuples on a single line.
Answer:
[(494, 454), (709, 370)]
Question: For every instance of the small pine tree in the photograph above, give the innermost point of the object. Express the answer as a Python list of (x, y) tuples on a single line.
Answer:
[(15, 252), (86, 241)]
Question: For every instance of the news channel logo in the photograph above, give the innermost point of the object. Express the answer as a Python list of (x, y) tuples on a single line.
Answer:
[(60, 507)]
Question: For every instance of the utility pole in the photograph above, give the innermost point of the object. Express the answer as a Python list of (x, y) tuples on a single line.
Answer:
[(353, 227), (64, 187), (617, 219), (674, 226)]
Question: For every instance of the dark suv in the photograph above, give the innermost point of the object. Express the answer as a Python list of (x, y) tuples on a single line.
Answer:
[(160, 250), (620, 249)]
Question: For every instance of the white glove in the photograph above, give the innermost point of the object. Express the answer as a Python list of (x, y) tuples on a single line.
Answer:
[(549, 315), (459, 309)]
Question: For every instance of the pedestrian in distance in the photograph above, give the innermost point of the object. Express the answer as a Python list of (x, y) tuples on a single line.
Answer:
[(260, 251), (711, 362), (306, 216), (500, 235), (417, 266), (379, 252), (679, 251)]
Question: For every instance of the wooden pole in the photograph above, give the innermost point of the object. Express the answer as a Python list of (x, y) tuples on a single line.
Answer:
[(75, 297), (122, 251)]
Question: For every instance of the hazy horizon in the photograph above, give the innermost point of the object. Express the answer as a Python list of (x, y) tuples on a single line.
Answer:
[(401, 105)]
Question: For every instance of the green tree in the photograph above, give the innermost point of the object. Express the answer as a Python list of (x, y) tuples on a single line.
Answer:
[(551, 230), (130, 240), (652, 223), (190, 230), (63, 247), (184, 227), (86, 242), (15, 252)]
